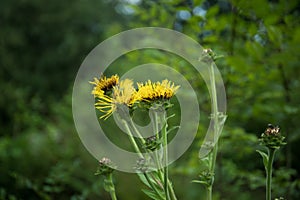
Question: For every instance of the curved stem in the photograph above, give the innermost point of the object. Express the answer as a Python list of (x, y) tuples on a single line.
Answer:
[(271, 153)]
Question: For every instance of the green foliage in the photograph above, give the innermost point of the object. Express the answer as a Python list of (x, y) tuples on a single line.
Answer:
[(158, 193), (42, 46)]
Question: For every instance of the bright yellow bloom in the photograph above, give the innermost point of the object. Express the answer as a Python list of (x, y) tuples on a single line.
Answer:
[(123, 94), (104, 84), (155, 91)]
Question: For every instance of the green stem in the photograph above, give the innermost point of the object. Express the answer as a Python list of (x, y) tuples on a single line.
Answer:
[(139, 152), (159, 167), (152, 186), (165, 145), (172, 192), (216, 128), (156, 132), (112, 191), (155, 118), (271, 153), (143, 141), (167, 184), (212, 170), (132, 140), (209, 192), (136, 131)]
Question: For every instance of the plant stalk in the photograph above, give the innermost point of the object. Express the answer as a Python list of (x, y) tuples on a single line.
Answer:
[(209, 192), (165, 145), (112, 191), (152, 186), (216, 128), (271, 153), (132, 140), (172, 192), (139, 152)]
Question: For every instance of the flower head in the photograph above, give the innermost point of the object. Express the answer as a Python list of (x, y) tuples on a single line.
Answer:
[(272, 130), (104, 84), (208, 56), (122, 94), (155, 91), (272, 137), (105, 167)]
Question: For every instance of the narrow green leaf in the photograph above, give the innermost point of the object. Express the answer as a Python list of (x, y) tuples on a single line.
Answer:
[(152, 194), (173, 128), (169, 117), (143, 179), (201, 182), (265, 158)]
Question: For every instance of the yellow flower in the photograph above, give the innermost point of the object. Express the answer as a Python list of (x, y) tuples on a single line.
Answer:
[(103, 84), (123, 94), (155, 91)]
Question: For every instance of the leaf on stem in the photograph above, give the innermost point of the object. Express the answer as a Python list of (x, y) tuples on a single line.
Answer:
[(152, 194), (265, 158)]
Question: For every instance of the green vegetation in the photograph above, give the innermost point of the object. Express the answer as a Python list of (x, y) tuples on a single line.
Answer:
[(43, 44)]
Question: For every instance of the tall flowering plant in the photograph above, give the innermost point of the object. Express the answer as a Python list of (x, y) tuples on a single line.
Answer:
[(272, 139), (113, 95), (121, 97)]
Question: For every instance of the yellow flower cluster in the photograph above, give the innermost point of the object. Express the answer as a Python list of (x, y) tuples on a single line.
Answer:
[(104, 84), (153, 91), (123, 93)]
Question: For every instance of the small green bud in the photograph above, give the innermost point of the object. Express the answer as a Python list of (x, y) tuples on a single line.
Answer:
[(152, 143), (206, 177), (208, 55)]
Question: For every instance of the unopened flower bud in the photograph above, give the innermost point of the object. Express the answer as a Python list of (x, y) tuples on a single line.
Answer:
[(152, 143), (272, 137), (208, 56), (206, 177), (105, 167)]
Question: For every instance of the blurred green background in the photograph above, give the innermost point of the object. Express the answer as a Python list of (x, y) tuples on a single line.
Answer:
[(42, 45)]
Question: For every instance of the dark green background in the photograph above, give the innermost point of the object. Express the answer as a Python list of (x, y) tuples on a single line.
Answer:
[(42, 45)]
